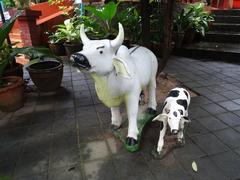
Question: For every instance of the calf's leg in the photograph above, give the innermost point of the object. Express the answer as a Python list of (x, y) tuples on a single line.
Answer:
[(116, 118)]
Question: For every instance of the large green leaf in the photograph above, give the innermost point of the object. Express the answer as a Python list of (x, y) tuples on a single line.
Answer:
[(6, 28), (105, 13)]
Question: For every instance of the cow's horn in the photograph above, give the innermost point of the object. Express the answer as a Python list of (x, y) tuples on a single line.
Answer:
[(83, 35), (117, 42)]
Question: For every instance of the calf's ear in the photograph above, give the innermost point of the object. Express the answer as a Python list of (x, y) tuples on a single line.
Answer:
[(121, 67), (186, 119), (160, 117)]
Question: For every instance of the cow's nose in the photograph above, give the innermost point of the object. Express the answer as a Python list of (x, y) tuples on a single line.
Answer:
[(80, 61), (174, 131)]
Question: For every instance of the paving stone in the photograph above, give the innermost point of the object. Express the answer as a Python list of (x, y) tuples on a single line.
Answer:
[(105, 117), (42, 176), (141, 176), (14, 135), (42, 117), (237, 113), (206, 170), (197, 112), (130, 165), (189, 151), (229, 137), (90, 120), (18, 121), (64, 114), (229, 163), (237, 151), (230, 94), (199, 100), (195, 128), (230, 105), (236, 101), (216, 97), (94, 150), (67, 124), (211, 123), (31, 163), (64, 151), (214, 108), (101, 170), (209, 144), (69, 173), (229, 119), (39, 130), (90, 134)]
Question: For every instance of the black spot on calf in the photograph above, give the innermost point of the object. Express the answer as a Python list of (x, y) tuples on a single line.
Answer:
[(185, 92), (175, 113), (183, 103), (174, 93)]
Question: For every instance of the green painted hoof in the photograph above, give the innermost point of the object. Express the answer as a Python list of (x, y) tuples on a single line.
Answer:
[(132, 148)]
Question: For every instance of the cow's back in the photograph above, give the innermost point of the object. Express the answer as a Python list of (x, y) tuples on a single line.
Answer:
[(145, 62)]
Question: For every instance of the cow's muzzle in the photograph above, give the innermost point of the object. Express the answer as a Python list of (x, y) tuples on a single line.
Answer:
[(80, 61)]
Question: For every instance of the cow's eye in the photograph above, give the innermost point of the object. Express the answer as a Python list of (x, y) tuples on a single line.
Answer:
[(100, 52), (181, 111), (175, 113)]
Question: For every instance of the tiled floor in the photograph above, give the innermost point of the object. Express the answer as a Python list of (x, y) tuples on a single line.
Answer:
[(66, 136)]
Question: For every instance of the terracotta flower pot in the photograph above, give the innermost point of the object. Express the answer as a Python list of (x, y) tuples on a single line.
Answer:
[(46, 75), (11, 93)]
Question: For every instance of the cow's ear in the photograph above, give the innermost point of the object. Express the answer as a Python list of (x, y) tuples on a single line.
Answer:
[(160, 117), (121, 67)]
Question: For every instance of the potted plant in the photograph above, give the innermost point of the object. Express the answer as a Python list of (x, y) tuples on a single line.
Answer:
[(11, 87), (103, 22), (192, 19), (55, 43), (70, 33)]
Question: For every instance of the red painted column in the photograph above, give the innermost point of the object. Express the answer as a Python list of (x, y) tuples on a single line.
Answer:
[(29, 31)]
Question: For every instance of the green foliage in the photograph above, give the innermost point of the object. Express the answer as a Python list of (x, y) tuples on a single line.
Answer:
[(9, 4), (103, 16), (8, 53), (193, 17), (4, 178), (103, 21), (131, 21), (68, 32)]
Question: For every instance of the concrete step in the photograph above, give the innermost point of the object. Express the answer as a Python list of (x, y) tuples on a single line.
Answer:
[(211, 50), (228, 37), (227, 19), (232, 12), (225, 27)]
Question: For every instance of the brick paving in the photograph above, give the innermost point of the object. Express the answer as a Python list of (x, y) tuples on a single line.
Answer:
[(66, 136)]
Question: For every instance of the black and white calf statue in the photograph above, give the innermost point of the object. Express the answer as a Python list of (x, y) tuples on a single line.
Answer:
[(174, 114)]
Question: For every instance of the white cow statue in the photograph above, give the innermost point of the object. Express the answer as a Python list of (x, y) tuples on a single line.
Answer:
[(120, 74), (174, 114)]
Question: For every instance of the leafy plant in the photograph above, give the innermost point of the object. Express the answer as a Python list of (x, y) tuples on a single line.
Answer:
[(103, 17), (22, 4), (9, 3), (68, 32), (8, 53), (131, 20), (193, 17)]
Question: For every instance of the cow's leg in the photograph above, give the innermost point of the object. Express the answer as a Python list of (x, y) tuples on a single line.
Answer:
[(116, 118), (180, 134), (161, 136), (132, 112), (152, 103)]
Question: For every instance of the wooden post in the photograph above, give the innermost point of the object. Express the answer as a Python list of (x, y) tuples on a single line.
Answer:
[(145, 13), (168, 22)]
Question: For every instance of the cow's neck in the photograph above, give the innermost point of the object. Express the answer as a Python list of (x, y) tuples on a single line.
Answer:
[(104, 92)]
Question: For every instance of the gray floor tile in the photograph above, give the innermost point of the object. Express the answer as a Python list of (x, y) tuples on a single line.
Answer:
[(210, 144), (94, 150), (214, 108), (42, 176), (65, 173), (211, 123), (206, 170), (229, 163), (229, 137), (230, 105), (195, 128), (229, 119), (101, 170)]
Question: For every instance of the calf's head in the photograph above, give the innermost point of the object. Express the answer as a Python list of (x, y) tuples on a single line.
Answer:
[(97, 55), (172, 115)]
